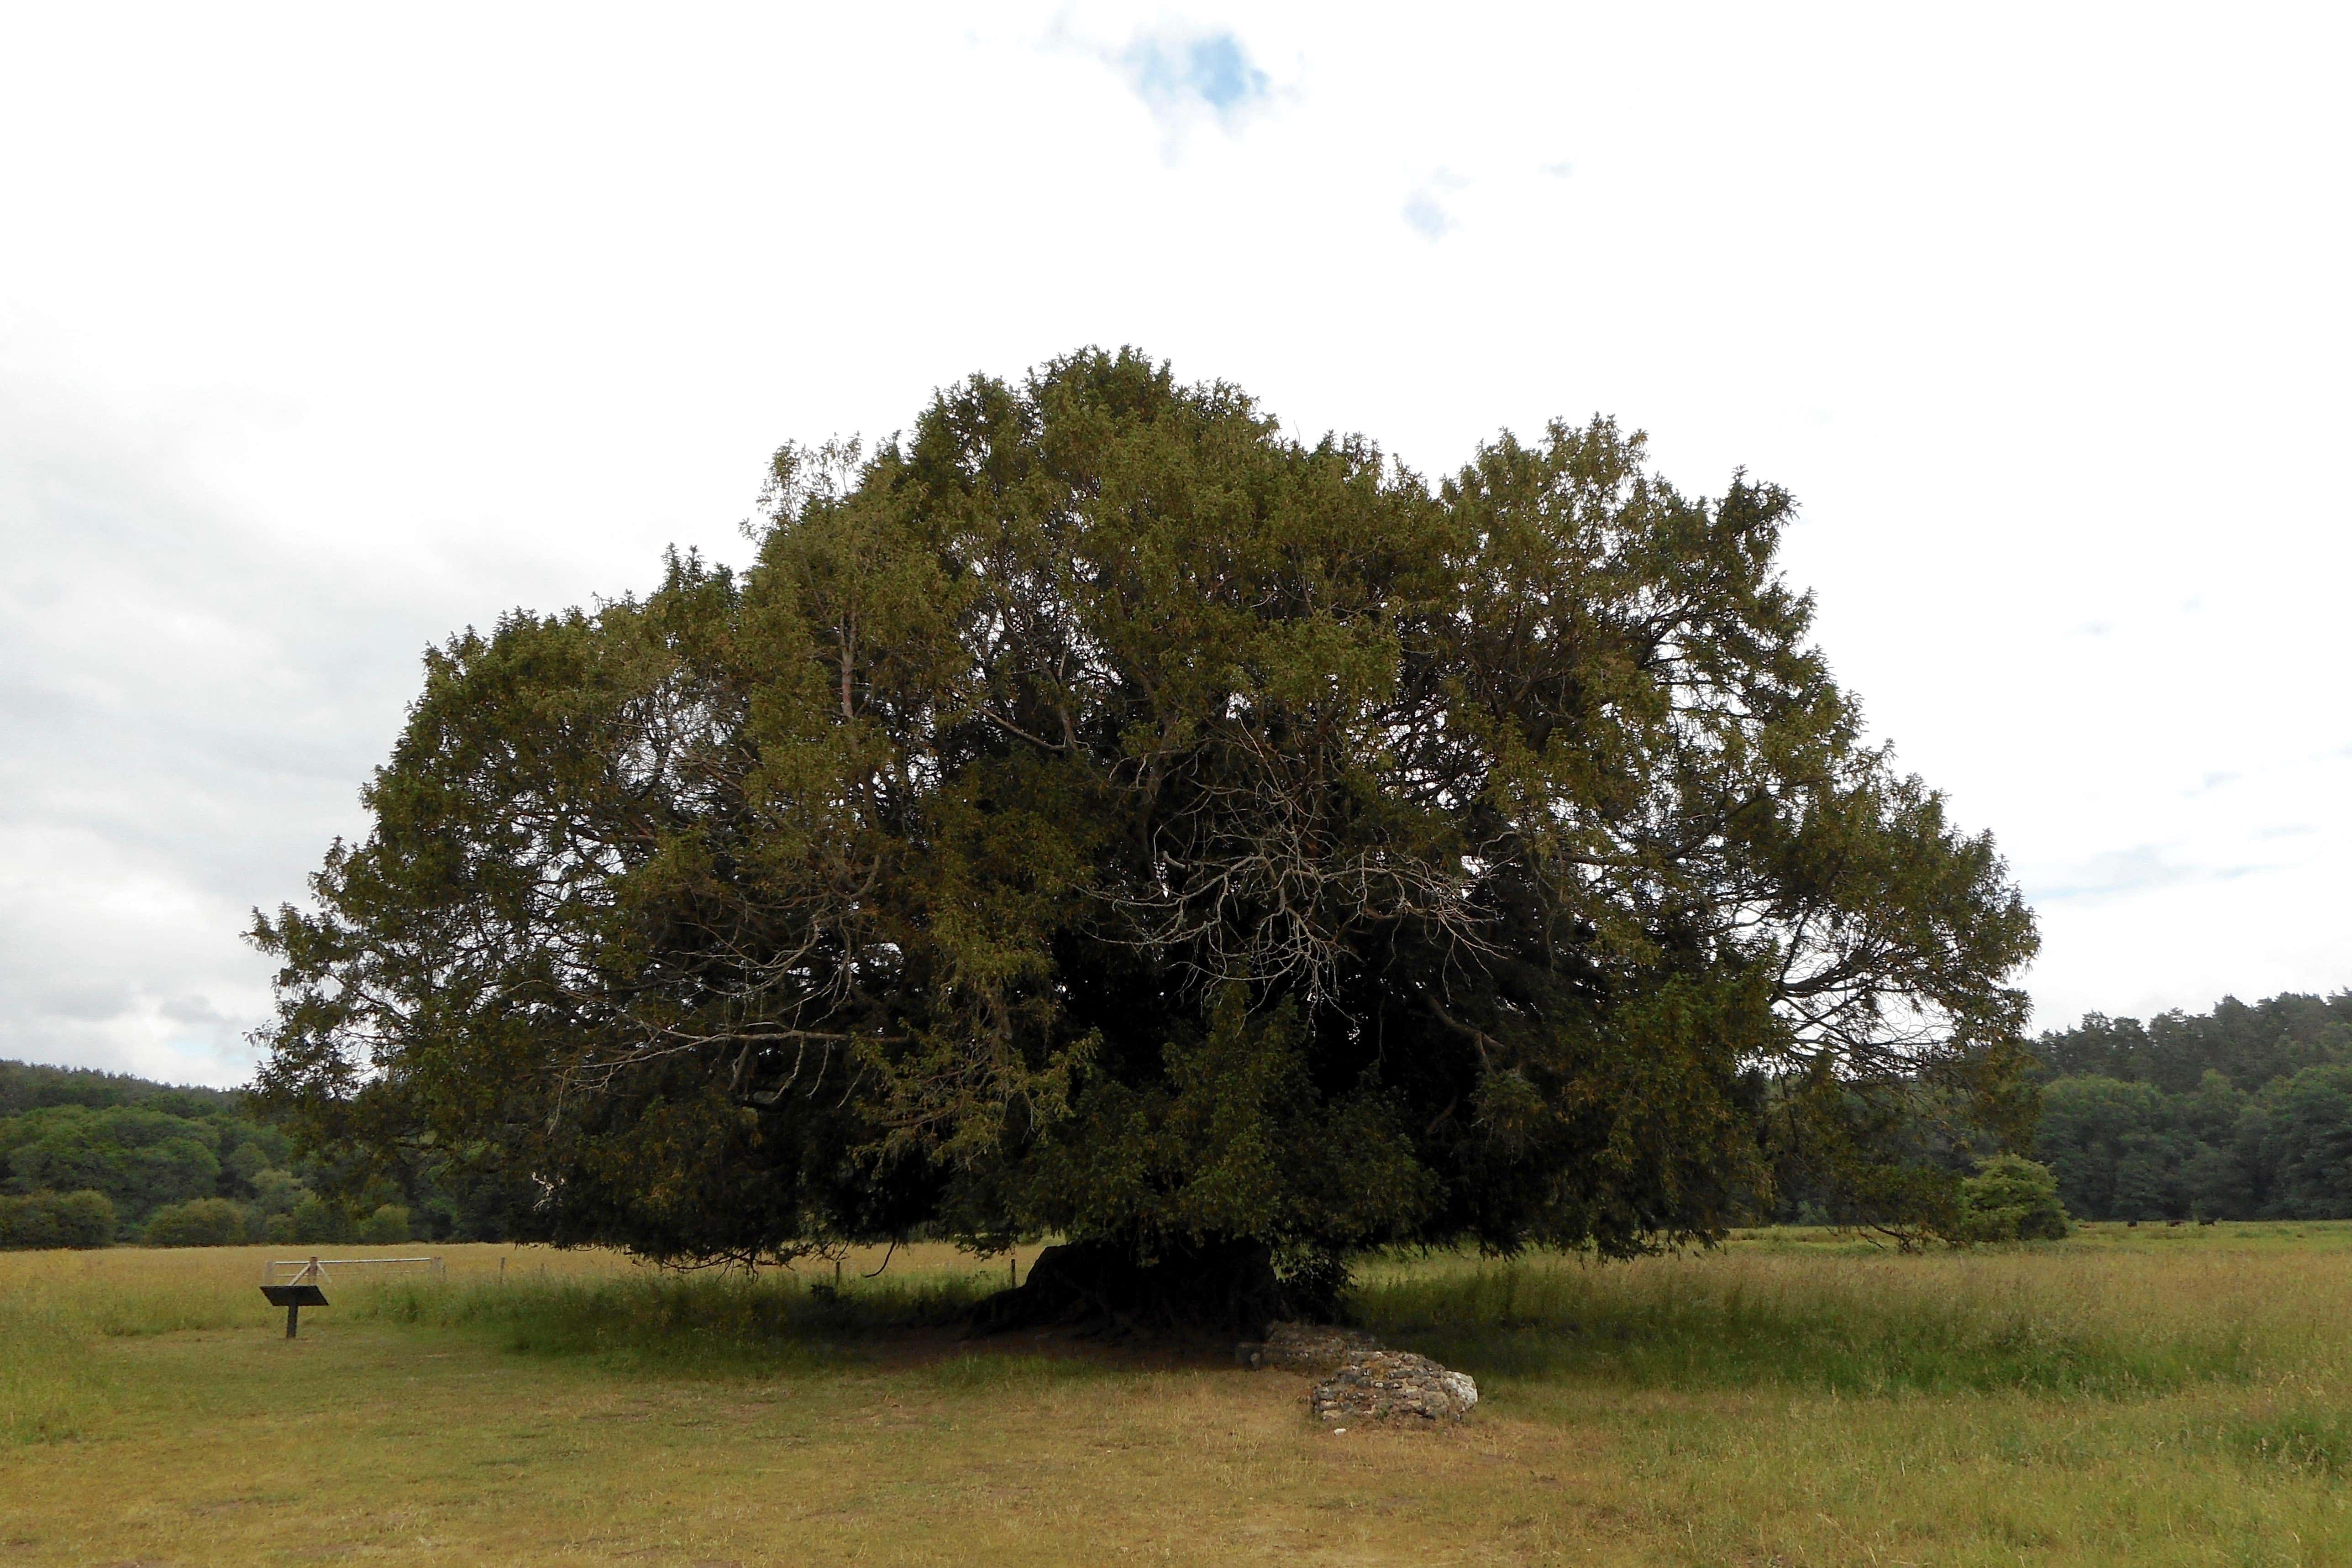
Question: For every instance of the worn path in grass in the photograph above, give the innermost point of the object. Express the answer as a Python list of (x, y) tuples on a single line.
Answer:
[(546, 1421)]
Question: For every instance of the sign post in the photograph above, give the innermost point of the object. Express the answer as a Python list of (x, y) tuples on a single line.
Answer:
[(302, 1291)]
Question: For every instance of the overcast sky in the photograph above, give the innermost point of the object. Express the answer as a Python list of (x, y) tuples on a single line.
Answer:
[(325, 332)]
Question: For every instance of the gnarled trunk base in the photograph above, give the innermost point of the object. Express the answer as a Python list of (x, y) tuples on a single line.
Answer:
[(1215, 1287)]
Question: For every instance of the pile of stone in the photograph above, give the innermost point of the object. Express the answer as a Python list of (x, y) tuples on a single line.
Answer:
[(1303, 1347), (1395, 1385), (1366, 1382)]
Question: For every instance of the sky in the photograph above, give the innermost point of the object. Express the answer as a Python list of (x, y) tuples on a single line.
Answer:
[(327, 331)]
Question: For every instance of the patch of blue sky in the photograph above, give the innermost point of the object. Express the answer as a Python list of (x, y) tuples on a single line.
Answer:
[(1426, 217), (1425, 213), (1213, 68)]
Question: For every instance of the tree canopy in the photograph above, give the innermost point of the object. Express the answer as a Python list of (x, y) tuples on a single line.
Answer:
[(2243, 1112), (1096, 813)]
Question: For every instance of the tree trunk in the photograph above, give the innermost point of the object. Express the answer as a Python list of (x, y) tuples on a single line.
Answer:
[(1214, 1287)]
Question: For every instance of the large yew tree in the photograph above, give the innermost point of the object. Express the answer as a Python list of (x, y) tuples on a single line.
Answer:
[(1099, 814)]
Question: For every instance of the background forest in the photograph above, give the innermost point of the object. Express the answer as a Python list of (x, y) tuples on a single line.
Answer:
[(89, 1158), (2242, 1113)]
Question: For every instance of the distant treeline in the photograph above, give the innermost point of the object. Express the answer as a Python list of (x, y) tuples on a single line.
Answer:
[(88, 1159), (2243, 1112)]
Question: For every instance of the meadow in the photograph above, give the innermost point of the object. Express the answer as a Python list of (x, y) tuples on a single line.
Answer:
[(2157, 1396)]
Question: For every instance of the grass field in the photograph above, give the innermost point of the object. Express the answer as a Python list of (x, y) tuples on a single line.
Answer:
[(2151, 1395)]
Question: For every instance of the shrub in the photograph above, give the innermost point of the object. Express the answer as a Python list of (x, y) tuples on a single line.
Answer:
[(199, 1222), (314, 1222), (87, 1219), (2011, 1198), (57, 1219), (387, 1226)]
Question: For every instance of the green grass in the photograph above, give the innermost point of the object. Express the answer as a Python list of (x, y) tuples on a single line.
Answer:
[(1868, 1327), (2152, 1395), (705, 1324)]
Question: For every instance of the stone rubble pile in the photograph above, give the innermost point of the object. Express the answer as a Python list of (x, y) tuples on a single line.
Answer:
[(1303, 1347), (1366, 1382), (1391, 1385)]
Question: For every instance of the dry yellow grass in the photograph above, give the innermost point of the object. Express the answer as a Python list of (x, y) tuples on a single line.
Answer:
[(2153, 1398)]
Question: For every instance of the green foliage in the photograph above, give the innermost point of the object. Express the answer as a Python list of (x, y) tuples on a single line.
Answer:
[(2166, 1133), (1234, 1140), (313, 1222), (44, 1219), (1097, 812), (2304, 1140), (2248, 1045), (27, 1086), (2102, 1137), (1889, 1158), (199, 1222), (2011, 1198), (138, 1157), (277, 1191), (387, 1226), (145, 1147)]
